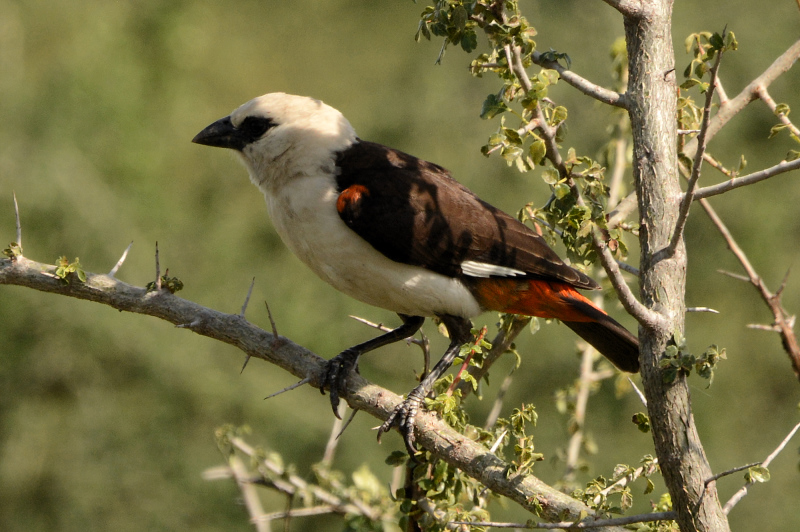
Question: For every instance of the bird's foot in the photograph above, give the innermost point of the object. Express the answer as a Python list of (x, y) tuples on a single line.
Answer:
[(336, 371), (402, 417)]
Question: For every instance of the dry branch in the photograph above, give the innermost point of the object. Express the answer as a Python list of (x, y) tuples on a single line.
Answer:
[(432, 433)]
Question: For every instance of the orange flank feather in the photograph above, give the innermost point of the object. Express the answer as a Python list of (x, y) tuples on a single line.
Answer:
[(553, 299), (543, 299)]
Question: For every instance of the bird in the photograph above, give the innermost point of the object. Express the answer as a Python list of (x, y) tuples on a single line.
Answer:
[(400, 233)]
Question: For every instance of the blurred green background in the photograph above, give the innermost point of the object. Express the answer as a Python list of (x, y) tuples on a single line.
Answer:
[(107, 419)]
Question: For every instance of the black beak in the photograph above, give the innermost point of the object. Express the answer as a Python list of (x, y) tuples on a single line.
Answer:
[(222, 134)]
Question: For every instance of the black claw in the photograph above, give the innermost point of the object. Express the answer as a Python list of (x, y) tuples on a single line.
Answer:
[(336, 371), (402, 417)]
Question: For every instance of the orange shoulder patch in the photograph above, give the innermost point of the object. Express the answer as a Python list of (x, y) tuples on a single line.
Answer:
[(351, 196)]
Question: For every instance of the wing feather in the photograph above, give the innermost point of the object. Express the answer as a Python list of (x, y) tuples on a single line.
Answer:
[(414, 212)]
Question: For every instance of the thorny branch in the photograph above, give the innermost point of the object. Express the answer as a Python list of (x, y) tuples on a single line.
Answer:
[(783, 322), (635, 308), (702, 142), (432, 433), (739, 495)]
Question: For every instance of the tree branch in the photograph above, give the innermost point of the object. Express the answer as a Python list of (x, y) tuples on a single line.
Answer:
[(702, 142), (432, 433), (590, 89), (739, 495), (755, 177), (783, 323), (727, 110), (628, 8)]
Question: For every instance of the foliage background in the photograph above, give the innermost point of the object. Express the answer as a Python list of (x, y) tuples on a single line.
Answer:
[(106, 420)]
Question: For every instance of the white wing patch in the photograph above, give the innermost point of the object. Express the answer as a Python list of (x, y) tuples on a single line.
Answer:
[(483, 269)]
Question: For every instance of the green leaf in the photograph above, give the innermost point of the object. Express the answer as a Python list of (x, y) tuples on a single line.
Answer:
[(459, 18), (397, 458), (561, 190), (538, 150), (642, 421), (469, 41), (550, 176), (493, 106), (757, 474)]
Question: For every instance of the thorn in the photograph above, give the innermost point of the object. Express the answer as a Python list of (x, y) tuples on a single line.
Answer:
[(760, 327), (702, 309), (194, 323), (347, 423), (158, 270), (244, 307), (780, 288), (289, 388), (19, 224), (246, 360), (735, 275), (116, 267), (271, 322), (499, 440), (638, 392)]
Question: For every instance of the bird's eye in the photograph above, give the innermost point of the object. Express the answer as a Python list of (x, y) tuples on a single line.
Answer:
[(253, 127)]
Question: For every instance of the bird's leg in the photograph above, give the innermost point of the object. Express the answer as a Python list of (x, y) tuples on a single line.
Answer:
[(403, 415), (339, 367)]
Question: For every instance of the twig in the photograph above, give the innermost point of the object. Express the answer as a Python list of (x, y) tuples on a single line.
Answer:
[(720, 188), (290, 483), (500, 345), (117, 266), (702, 142), (730, 108), (579, 525), (333, 442), (321, 509), (739, 495), (627, 479), (783, 323), (730, 472), (620, 164), (763, 93), (497, 406), (249, 495), (582, 84)]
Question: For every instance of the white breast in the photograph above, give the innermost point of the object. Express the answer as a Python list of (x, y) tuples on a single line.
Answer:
[(304, 214)]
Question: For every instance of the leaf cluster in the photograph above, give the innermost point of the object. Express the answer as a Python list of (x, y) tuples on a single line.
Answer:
[(677, 360), (66, 269)]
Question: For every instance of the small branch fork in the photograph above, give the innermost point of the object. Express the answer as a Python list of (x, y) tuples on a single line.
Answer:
[(643, 315), (683, 215), (739, 495), (783, 322)]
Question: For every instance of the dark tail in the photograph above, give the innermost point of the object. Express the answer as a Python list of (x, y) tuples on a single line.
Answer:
[(613, 340)]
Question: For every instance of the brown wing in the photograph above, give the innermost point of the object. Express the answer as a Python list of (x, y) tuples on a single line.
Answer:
[(414, 212)]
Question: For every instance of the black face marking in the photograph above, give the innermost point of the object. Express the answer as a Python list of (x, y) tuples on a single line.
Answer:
[(254, 127), (222, 133)]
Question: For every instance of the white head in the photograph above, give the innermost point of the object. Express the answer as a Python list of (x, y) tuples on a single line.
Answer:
[(281, 136)]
